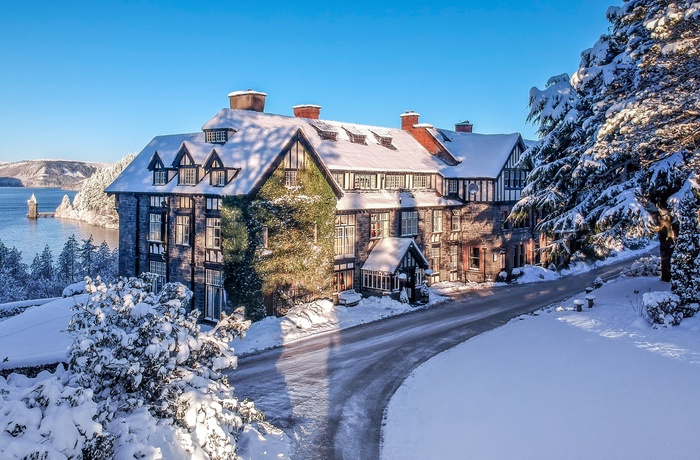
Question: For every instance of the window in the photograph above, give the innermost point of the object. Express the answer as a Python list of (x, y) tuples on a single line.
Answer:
[(182, 230), (290, 177), (218, 177), (213, 204), (395, 181), (437, 220), (379, 225), (343, 280), (452, 186), (454, 257), (340, 179), (158, 268), (365, 181), (409, 223), (155, 227), (157, 201), (216, 136), (435, 259), (420, 181), (213, 235), (184, 202), (474, 258), (215, 299), (345, 236), (376, 280), (160, 177), (455, 225), (188, 176), (265, 237)]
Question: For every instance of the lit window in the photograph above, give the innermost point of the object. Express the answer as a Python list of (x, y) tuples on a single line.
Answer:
[(345, 236), (409, 223), (160, 177), (395, 181), (343, 280), (182, 230), (437, 220), (379, 225), (184, 202), (474, 258)]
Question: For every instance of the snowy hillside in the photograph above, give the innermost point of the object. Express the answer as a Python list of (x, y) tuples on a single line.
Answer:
[(48, 173), (92, 204)]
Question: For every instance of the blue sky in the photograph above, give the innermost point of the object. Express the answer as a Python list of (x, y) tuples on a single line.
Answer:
[(95, 80)]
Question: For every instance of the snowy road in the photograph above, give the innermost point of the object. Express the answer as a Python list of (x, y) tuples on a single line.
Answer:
[(329, 392)]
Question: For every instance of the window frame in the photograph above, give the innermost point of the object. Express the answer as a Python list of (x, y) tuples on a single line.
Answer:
[(345, 236), (182, 230), (379, 225), (409, 223), (474, 255), (437, 221)]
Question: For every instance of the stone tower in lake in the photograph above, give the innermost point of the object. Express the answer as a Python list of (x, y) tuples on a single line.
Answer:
[(33, 207)]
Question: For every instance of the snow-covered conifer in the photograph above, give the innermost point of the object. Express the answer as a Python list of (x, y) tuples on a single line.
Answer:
[(68, 264), (87, 258), (685, 272)]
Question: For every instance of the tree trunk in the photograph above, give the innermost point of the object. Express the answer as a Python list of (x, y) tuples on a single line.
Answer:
[(665, 252)]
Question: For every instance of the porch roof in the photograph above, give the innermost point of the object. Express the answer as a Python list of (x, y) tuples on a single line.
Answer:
[(387, 254)]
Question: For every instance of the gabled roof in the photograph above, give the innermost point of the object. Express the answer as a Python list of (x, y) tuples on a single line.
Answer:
[(480, 155), (253, 151), (387, 254), (405, 155)]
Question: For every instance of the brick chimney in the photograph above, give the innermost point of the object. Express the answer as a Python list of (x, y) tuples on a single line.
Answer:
[(247, 100), (307, 111), (409, 122), (464, 127)]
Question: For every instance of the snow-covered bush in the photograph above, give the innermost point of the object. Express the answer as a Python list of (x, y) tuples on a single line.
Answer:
[(403, 296), (645, 266), (143, 381), (145, 358), (662, 307)]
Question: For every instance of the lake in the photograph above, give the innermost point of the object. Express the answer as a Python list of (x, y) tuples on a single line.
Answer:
[(30, 236)]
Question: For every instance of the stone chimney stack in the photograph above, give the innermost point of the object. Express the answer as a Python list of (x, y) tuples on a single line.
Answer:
[(247, 100), (464, 127), (307, 111)]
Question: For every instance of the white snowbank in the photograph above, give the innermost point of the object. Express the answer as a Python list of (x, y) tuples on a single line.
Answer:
[(601, 383)]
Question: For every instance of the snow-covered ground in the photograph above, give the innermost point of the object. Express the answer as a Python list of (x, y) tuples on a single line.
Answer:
[(601, 383)]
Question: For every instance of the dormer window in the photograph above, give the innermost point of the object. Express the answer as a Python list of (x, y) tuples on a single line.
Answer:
[(383, 139), (355, 135), (160, 177), (188, 171), (216, 136), (325, 132), (218, 177)]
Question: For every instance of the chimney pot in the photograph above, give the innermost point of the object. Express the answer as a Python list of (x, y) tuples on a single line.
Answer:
[(408, 119), (464, 127), (307, 111), (247, 100)]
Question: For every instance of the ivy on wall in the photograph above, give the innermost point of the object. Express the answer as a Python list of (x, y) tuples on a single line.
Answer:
[(300, 224)]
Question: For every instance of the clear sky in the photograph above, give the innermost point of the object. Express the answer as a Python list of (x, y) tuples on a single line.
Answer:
[(95, 80)]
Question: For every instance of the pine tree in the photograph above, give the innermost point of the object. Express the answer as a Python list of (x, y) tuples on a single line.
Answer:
[(105, 263), (638, 127), (685, 273), (68, 267), (87, 257)]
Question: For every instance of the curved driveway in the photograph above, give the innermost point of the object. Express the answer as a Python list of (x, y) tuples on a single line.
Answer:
[(329, 392)]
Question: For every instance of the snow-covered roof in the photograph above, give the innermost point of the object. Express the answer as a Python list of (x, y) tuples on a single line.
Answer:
[(252, 151), (388, 253), (404, 155), (384, 199), (480, 155)]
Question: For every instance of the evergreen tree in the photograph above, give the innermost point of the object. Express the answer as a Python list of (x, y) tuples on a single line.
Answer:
[(638, 126), (105, 263), (68, 267), (87, 257), (46, 267), (685, 271)]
